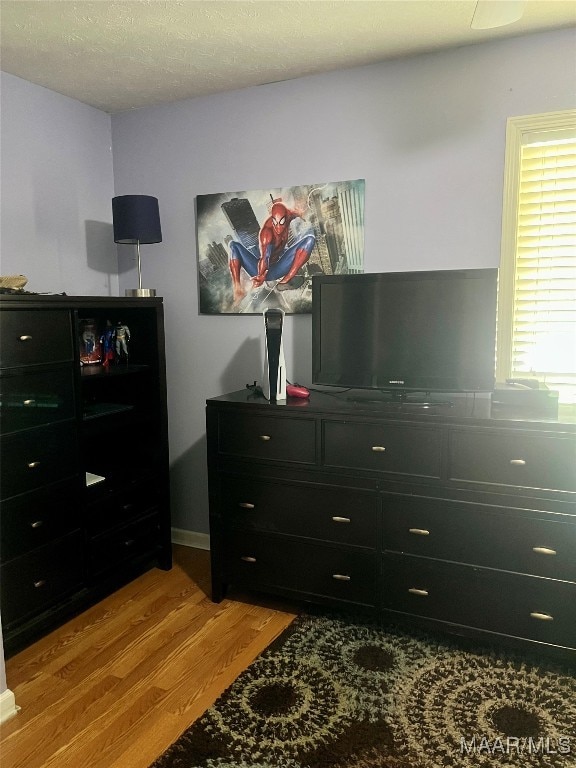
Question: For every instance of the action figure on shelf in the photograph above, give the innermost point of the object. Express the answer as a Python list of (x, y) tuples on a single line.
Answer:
[(107, 343), (121, 339), (90, 350)]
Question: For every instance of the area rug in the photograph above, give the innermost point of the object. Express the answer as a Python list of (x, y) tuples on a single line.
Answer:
[(341, 692)]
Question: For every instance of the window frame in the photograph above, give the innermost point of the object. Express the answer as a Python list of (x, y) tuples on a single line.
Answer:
[(519, 131)]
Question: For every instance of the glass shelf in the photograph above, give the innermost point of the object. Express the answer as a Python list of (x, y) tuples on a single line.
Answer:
[(101, 371), (98, 410)]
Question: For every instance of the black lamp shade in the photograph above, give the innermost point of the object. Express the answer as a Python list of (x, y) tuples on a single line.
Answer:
[(136, 219)]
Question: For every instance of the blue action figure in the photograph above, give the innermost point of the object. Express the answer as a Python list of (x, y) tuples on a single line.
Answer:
[(107, 342)]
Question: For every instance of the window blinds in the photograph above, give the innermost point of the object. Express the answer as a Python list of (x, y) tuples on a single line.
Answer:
[(544, 298)]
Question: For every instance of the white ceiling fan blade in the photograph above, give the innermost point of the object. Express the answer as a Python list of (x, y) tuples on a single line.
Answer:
[(497, 13)]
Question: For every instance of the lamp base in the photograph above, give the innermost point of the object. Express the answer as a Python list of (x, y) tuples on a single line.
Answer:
[(141, 292)]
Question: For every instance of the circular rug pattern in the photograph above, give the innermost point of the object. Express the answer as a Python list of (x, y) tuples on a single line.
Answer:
[(282, 708), (476, 710), (366, 660)]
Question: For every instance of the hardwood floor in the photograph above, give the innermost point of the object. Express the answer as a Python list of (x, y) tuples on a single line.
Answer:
[(119, 683)]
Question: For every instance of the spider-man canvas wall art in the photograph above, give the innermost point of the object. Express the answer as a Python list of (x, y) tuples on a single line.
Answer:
[(260, 249)]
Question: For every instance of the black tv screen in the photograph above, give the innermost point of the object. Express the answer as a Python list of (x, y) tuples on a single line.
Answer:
[(408, 331)]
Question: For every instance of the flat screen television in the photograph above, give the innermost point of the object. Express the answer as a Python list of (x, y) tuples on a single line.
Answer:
[(405, 332)]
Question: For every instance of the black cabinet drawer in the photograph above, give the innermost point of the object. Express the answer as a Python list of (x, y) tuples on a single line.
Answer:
[(116, 508), (267, 437), (514, 458), (538, 609), (31, 520), (405, 450), (434, 590), (30, 400), (271, 563), (340, 575), (30, 337), (123, 545), (36, 581), (492, 536), (38, 457), (333, 515)]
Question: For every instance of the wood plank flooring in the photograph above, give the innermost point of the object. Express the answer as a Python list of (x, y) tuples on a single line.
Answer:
[(119, 683)]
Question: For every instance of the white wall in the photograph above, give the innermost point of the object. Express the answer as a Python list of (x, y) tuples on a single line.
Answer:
[(426, 133), (57, 187)]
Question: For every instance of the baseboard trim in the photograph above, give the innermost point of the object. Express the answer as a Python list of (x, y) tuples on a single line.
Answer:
[(190, 539), (8, 706)]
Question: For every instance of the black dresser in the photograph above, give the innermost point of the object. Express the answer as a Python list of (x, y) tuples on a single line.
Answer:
[(446, 515), (84, 457)]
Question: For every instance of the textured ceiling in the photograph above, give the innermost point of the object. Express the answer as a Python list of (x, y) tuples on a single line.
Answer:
[(124, 55)]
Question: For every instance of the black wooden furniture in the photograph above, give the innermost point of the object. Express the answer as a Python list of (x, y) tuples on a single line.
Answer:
[(84, 469), (447, 515)]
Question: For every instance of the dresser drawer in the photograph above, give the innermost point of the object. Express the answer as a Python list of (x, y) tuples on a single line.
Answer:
[(430, 589), (491, 536), (340, 575), (36, 581), (38, 457), (267, 437), (32, 520), (538, 609), (513, 458), (29, 337), (270, 564), (332, 515), (30, 400), (405, 450), (117, 508), (123, 545)]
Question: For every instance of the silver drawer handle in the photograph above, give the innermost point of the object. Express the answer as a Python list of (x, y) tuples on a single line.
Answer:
[(25, 337), (544, 550), (33, 464), (37, 524), (542, 616), (246, 505), (518, 462), (341, 519), (29, 402), (40, 583), (419, 531), (265, 438), (378, 448), (340, 577), (419, 592), (248, 559)]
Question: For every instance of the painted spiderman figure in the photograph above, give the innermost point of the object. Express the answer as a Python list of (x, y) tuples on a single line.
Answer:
[(275, 261)]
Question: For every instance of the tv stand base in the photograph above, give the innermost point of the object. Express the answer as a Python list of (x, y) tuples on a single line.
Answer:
[(402, 398)]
